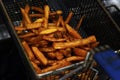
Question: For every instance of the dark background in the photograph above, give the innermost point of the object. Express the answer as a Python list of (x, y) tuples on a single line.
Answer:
[(11, 65)]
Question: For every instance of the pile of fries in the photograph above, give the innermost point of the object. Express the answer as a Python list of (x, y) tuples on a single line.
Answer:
[(49, 41)]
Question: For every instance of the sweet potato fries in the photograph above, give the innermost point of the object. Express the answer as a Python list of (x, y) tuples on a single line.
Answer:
[(49, 41)]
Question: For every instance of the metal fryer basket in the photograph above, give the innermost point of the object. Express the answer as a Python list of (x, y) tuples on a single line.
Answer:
[(97, 22)]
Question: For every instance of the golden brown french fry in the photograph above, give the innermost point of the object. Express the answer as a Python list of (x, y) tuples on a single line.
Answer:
[(19, 32), (53, 39), (38, 43), (58, 12), (83, 76), (33, 25), (79, 23), (62, 22), (37, 9), (44, 43), (61, 29), (39, 55), (70, 59), (34, 39), (76, 43), (27, 8), (25, 15), (26, 35), (39, 20), (86, 48), (69, 17), (47, 49), (51, 68), (35, 31), (66, 52), (75, 58), (73, 32), (28, 51), (48, 31), (36, 15), (95, 44), (51, 55), (80, 52), (36, 62), (21, 24), (58, 28), (50, 62), (45, 24), (46, 11), (51, 24), (46, 15), (20, 28), (54, 67), (59, 55), (35, 66), (58, 21)]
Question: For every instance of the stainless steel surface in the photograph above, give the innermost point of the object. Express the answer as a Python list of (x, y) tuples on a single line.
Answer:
[(112, 2), (61, 69)]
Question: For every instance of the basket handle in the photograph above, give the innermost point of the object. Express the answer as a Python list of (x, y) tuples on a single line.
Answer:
[(71, 73), (87, 64)]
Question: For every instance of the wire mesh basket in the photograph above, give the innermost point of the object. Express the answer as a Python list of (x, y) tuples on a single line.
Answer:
[(97, 22)]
